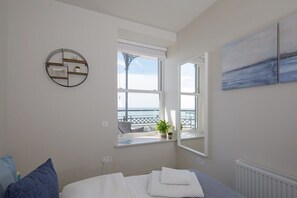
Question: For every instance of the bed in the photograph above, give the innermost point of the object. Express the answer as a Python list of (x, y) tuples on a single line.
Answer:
[(43, 182), (136, 187)]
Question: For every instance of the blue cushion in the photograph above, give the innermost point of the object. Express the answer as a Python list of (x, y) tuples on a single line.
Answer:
[(40, 183), (7, 173)]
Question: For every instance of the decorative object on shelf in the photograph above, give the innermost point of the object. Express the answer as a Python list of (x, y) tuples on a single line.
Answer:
[(163, 127), (77, 69), (59, 71), (72, 74)]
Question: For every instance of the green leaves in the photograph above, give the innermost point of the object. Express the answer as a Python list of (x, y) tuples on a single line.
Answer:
[(163, 127)]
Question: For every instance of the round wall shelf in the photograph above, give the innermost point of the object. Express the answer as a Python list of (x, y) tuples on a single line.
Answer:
[(67, 67)]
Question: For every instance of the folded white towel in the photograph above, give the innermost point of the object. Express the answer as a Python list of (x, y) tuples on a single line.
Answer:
[(156, 188), (174, 176)]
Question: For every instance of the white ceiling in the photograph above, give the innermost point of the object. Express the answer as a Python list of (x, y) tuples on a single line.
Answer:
[(170, 15)]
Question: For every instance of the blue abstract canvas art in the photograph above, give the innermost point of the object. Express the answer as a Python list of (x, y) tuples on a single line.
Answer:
[(250, 61), (288, 49)]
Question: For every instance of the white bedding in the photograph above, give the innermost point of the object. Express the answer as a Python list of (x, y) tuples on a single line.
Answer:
[(174, 176), (106, 186), (109, 186), (94, 187), (138, 186), (156, 188)]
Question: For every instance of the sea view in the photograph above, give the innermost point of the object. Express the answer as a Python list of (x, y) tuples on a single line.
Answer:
[(149, 116)]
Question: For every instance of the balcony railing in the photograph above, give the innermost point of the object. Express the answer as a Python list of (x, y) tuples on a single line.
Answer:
[(140, 120), (151, 117)]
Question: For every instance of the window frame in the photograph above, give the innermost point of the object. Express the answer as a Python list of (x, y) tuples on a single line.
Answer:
[(196, 94), (159, 92), (203, 101)]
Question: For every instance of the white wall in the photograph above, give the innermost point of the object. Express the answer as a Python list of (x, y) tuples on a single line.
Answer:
[(3, 62), (256, 124), (47, 120), (145, 34)]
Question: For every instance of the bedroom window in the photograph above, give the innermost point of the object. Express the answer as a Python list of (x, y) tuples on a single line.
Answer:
[(139, 88), (192, 96), (192, 120), (189, 96)]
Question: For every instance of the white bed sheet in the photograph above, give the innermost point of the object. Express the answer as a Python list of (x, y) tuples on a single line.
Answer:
[(105, 186), (95, 187), (137, 186)]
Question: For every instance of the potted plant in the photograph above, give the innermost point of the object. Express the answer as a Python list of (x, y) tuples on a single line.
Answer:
[(170, 134), (163, 127)]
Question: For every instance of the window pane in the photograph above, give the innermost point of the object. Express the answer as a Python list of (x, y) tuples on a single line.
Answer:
[(142, 111), (143, 73), (187, 83), (187, 113), (121, 106), (121, 71)]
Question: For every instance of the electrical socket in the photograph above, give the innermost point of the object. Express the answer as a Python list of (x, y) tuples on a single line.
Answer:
[(107, 159), (201, 161)]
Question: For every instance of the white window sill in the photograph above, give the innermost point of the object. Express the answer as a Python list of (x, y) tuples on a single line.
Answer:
[(133, 139), (192, 135)]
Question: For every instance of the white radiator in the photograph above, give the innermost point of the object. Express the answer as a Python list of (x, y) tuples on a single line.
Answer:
[(256, 181)]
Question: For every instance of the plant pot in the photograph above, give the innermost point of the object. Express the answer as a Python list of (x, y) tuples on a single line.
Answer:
[(163, 135)]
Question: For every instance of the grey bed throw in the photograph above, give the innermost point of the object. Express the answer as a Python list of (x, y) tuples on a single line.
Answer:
[(213, 188)]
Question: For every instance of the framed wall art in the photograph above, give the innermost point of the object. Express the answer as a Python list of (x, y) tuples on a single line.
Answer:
[(251, 61), (288, 49)]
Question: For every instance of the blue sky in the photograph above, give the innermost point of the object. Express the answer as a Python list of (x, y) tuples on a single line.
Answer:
[(140, 65), (188, 77), (143, 75)]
